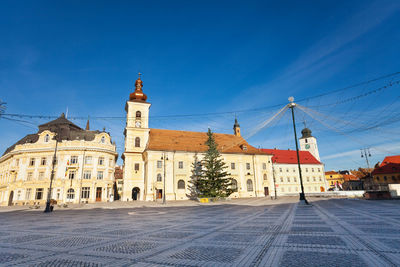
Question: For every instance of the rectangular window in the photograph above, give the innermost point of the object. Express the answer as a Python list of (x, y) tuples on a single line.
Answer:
[(180, 164), (288, 179), (159, 164), (85, 192), (71, 175), (99, 175), (87, 175), (294, 170), (314, 179), (319, 170), (247, 166), (287, 170), (295, 179), (17, 162), (136, 166), (264, 166), (306, 169), (281, 179), (308, 179), (31, 162), (110, 162), (88, 160), (280, 169), (320, 179), (74, 160), (312, 169), (101, 161), (28, 193), (39, 193), (41, 175), (29, 176), (233, 165), (43, 161)]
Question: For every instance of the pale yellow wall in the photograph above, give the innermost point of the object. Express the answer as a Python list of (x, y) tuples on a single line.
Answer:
[(14, 177), (146, 178)]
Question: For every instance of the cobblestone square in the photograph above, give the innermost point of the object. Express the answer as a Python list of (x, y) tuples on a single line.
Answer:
[(241, 232)]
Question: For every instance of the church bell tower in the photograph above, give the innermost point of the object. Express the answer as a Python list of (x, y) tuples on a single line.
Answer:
[(136, 138), (309, 143)]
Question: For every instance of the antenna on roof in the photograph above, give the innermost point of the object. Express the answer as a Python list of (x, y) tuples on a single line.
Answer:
[(66, 114)]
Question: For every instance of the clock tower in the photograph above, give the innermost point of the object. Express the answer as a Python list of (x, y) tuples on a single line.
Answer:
[(309, 143), (136, 138)]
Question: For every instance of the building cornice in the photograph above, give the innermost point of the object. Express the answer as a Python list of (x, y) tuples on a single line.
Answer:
[(59, 149)]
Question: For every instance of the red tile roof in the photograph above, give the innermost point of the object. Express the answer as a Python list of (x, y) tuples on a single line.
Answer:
[(391, 159), (388, 168), (172, 140), (290, 156)]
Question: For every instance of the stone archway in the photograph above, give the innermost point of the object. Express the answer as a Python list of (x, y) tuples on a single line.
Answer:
[(135, 193), (10, 198)]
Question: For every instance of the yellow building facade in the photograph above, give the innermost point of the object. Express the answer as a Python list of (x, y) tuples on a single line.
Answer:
[(83, 169), (158, 162), (334, 178)]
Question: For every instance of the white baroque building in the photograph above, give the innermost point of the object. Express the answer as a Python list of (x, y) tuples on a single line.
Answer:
[(84, 166)]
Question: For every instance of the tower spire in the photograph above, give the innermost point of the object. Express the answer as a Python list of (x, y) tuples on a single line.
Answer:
[(236, 127), (138, 95), (87, 124)]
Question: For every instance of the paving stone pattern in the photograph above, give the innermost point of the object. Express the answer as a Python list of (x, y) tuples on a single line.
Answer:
[(248, 232)]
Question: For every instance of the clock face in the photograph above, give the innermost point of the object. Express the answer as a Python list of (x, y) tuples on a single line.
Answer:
[(307, 146), (138, 124)]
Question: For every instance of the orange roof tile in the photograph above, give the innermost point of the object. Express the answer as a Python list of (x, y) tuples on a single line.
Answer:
[(172, 140), (349, 177), (390, 159), (331, 172)]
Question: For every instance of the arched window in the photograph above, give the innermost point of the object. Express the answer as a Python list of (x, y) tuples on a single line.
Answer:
[(234, 185), (249, 185), (47, 138), (70, 194), (103, 140), (265, 176), (137, 142), (181, 184), (138, 114), (159, 177)]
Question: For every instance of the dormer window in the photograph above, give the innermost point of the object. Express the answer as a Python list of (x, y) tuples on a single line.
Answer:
[(46, 138), (103, 140), (138, 114), (244, 147)]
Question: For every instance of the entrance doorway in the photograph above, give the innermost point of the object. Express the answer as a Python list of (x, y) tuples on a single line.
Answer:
[(159, 193), (10, 199), (135, 193), (266, 191), (98, 194)]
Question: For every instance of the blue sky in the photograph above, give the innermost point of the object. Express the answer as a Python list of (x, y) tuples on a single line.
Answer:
[(207, 57)]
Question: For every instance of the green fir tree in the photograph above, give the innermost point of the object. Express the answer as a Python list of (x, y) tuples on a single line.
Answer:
[(214, 180), (197, 173)]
